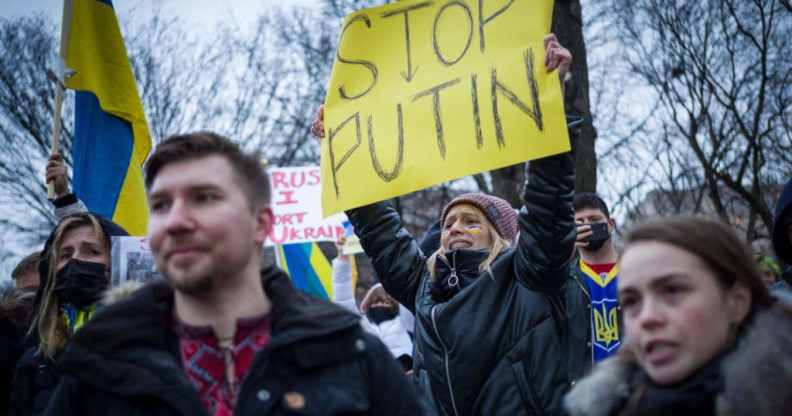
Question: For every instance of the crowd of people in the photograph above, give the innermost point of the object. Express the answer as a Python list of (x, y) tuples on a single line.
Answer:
[(494, 311)]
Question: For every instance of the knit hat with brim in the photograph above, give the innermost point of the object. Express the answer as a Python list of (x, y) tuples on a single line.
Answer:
[(497, 211)]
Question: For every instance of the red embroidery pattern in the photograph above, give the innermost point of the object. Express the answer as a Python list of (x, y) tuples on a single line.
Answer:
[(204, 361)]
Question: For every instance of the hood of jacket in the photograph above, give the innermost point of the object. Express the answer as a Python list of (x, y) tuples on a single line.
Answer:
[(781, 243), (128, 347)]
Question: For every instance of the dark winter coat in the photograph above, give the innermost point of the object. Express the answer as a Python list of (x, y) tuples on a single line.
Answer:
[(10, 351), (36, 377), (751, 379), (499, 346), (34, 381), (16, 307), (781, 243), (125, 361)]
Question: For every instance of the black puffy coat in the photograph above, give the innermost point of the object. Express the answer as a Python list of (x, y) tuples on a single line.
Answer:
[(125, 361), (499, 346), (34, 381)]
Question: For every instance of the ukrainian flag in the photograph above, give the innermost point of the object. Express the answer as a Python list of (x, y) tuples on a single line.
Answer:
[(308, 267), (111, 138)]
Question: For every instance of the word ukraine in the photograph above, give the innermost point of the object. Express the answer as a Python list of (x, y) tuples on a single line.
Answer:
[(297, 210)]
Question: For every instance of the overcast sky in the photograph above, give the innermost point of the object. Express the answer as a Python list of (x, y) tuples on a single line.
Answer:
[(199, 12)]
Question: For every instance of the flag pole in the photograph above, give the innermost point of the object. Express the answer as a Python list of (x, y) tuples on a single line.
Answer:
[(59, 88)]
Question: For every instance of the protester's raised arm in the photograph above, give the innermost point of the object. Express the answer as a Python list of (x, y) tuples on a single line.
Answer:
[(65, 202), (547, 225), (317, 127), (57, 174), (395, 254), (343, 292), (557, 57)]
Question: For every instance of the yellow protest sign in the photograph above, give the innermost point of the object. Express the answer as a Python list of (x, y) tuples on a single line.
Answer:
[(422, 92)]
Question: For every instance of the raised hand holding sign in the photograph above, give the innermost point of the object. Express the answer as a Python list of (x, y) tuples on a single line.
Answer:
[(426, 91)]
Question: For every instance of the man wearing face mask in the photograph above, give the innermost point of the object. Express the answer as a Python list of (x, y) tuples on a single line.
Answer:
[(75, 272), (595, 275)]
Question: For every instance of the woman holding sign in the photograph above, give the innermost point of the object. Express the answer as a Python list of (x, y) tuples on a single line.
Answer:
[(489, 303)]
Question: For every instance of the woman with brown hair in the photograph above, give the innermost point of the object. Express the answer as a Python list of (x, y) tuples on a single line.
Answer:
[(691, 297), (75, 272)]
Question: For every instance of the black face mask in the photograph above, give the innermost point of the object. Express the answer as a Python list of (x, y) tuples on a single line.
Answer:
[(381, 314), (81, 283), (600, 235), (595, 245)]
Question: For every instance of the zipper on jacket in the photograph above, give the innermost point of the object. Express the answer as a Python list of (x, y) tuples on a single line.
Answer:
[(447, 370), (453, 281)]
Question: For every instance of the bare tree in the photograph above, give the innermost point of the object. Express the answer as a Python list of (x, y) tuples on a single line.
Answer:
[(27, 49), (568, 26), (716, 79)]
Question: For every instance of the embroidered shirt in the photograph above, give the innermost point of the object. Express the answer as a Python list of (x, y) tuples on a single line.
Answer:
[(216, 368)]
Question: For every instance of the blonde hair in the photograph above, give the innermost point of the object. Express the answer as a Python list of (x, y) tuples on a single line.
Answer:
[(496, 247), (52, 328)]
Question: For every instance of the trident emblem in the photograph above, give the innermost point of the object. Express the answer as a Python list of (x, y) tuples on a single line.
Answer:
[(606, 325)]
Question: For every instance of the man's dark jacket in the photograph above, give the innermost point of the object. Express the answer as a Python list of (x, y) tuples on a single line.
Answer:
[(501, 345), (125, 361)]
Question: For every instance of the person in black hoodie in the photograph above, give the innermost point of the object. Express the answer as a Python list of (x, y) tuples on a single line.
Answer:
[(74, 269), (221, 334), (489, 311), (703, 335), (782, 237)]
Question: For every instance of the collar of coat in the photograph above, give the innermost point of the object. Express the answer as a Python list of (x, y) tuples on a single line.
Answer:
[(127, 346)]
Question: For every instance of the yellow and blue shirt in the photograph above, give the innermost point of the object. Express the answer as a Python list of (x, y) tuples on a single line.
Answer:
[(600, 281), (75, 318)]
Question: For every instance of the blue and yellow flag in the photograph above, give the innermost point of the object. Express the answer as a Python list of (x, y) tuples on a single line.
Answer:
[(308, 267), (111, 137)]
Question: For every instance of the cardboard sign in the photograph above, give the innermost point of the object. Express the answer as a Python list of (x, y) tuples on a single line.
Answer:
[(296, 203), (131, 259), (423, 92)]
